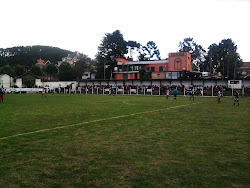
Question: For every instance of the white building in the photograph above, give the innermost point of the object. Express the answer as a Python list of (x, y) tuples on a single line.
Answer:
[(6, 81), (88, 75), (71, 59)]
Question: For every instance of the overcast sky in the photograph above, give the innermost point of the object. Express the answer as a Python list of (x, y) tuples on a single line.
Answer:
[(80, 25)]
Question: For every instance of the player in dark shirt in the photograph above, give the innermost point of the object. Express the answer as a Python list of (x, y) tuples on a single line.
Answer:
[(1, 94), (236, 98), (175, 94), (192, 94)]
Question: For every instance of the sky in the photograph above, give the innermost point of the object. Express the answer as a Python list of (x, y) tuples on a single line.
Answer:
[(80, 25)]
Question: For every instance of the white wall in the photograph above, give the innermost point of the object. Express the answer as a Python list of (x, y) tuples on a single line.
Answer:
[(38, 82), (198, 82), (246, 83), (156, 82), (6, 81), (186, 83), (19, 82), (62, 84)]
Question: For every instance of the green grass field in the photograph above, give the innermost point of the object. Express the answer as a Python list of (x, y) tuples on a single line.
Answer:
[(123, 141)]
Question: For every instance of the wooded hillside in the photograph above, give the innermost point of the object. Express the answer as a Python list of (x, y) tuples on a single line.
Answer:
[(28, 55)]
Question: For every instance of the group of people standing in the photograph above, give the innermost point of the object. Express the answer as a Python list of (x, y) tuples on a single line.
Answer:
[(192, 94), (236, 97), (175, 91)]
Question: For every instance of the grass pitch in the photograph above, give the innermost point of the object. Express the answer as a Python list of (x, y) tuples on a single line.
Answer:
[(123, 141)]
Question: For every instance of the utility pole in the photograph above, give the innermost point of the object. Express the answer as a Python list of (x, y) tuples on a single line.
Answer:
[(227, 69), (104, 68), (223, 76), (235, 69), (210, 62), (223, 70)]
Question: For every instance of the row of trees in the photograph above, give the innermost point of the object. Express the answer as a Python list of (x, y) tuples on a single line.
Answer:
[(84, 64), (222, 57), (63, 72), (19, 70)]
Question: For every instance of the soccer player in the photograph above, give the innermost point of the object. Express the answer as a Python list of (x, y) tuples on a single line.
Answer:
[(1, 94), (192, 94), (167, 94), (175, 94), (236, 98), (44, 93), (218, 97)]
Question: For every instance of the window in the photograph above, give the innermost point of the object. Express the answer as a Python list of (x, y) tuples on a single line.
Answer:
[(153, 69), (161, 69), (234, 82), (168, 75), (174, 75), (125, 76), (148, 68)]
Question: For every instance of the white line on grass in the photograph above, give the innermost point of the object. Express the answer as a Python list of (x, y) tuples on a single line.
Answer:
[(93, 121)]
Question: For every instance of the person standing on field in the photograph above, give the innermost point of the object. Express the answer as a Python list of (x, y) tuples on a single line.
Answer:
[(218, 97), (167, 94), (192, 94), (175, 94), (236, 98), (1, 94), (44, 93)]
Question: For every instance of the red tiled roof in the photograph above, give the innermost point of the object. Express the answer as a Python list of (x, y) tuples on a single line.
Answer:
[(41, 61)]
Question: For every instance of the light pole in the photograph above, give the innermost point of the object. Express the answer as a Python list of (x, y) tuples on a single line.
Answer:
[(210, 62), (104, 68), (235, 69), (222, 75)]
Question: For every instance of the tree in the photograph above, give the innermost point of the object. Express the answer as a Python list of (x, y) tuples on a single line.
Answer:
[(84, 64), (224, 58), (65, 72), (133, 47), (213, 57), (149, 52), (35, 70), (197, 52), (233, 63), (112, 46), (8, 70), (51, 69), (19, 70)]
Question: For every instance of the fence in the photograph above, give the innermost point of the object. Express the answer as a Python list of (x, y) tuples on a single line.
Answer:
[(152, 90), (138, 90)]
